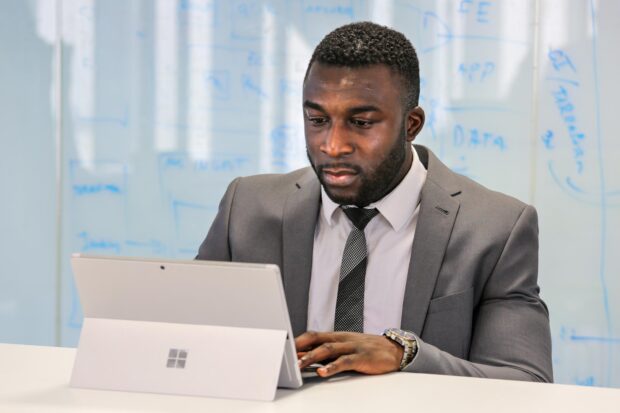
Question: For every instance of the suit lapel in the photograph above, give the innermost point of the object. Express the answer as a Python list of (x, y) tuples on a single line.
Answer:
[(298, 225), (438, 211)]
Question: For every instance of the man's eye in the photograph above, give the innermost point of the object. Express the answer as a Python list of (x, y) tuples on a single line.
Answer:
[(362, 123), (316, 121)]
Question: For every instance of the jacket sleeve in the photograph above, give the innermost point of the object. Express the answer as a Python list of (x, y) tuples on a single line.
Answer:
[(216, 245), (511, 337)]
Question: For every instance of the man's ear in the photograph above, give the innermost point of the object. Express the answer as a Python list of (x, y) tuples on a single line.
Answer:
[(415, 122)]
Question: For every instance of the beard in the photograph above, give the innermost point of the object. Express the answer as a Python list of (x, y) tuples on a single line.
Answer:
[(374, 184)]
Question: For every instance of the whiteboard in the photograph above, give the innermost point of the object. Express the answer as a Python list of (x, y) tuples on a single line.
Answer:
[(126, 143)]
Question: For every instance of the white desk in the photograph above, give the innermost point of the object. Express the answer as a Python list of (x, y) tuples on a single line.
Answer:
[(35, 379)]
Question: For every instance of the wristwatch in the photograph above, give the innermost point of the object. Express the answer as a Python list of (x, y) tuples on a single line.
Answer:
[(407, 340)]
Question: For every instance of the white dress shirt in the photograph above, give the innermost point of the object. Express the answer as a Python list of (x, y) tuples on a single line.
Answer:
[(389, 238)]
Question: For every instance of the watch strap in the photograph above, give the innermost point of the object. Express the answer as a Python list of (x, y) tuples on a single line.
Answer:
[(407, 340)]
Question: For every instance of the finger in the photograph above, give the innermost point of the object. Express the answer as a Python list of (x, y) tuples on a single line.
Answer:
[(311, 339), (326, 351), (343, 363)]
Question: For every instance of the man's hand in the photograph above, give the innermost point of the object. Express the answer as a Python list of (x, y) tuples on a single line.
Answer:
[(364, 353)]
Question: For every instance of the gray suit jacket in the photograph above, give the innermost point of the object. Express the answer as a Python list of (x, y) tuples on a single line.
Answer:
[(471, 294)]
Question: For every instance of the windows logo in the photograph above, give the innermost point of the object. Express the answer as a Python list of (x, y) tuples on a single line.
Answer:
[(176, 358)]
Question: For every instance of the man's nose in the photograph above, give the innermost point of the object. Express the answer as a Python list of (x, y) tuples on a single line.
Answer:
[(337, 142)]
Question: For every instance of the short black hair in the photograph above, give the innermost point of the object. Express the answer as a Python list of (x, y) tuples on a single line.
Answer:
[(363, 44)]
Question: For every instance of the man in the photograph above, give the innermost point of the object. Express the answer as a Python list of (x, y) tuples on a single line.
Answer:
[(380, 235)]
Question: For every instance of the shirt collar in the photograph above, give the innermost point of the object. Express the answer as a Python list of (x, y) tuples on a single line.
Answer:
[(397, 206)]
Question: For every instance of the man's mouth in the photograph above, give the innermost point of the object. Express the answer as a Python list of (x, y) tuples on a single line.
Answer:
[(336, 176)]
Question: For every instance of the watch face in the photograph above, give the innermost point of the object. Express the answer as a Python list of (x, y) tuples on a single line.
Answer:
[(408, 335), (402, 333)]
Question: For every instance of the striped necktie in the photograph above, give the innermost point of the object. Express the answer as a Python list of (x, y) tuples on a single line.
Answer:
[(350, 301)]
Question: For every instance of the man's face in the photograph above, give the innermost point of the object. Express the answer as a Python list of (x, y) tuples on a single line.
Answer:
[(357, 134)]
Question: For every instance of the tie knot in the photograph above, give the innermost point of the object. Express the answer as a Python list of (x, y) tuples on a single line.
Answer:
[(360, 217)]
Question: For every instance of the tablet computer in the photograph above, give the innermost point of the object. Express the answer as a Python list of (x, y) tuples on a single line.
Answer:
[(183, 327)]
